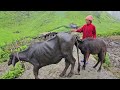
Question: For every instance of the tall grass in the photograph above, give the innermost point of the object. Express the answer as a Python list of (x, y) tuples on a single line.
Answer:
[(14, 72)]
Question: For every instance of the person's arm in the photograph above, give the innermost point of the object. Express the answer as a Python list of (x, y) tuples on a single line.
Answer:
[(94, 32), (78, 30)]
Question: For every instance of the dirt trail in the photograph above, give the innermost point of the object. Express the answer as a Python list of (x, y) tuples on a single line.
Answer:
[(3, 67), (53, 71), (113, 49)]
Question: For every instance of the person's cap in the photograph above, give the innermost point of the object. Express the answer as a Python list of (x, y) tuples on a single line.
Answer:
[(89, 17)]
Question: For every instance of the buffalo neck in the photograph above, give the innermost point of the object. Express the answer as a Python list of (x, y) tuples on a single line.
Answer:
[(23, 56)]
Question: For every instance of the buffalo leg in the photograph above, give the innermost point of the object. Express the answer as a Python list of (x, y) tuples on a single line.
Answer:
[(86, 56), (84, 65), (72, 62), (67, 64), (97, 62), (100, 66), (36, 67), (102, 57), (35, 71)]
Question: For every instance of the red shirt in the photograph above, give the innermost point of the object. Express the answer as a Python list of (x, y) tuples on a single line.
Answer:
[(88, 30)]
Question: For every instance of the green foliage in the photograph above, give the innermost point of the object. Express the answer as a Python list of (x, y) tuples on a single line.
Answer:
[(107, 60), (14, 72), (16, 25), (39, 22), (3, 56), (5, 51)]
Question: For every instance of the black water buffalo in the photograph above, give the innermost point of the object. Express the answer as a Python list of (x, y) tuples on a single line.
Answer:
[(93, 46), (49, 52)]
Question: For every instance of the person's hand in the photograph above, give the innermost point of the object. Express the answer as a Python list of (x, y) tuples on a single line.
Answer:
[(73, 30)]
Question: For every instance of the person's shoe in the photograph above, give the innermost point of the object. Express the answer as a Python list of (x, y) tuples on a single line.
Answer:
[(86, 61), (82, 61)]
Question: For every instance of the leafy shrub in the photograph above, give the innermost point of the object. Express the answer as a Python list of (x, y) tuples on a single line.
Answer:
[(107, 60), (14, 72), (3, 56)]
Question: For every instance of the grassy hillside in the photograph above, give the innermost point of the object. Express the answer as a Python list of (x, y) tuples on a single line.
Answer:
[(33, 23), (15, 25)]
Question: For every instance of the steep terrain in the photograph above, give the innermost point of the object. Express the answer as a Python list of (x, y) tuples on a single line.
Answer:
[(17, 25), (53, 71)]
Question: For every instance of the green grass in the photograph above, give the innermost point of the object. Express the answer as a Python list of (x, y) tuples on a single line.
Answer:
[(33, 23), (18, 46), (107, 60), (14, 72), (39, 22)]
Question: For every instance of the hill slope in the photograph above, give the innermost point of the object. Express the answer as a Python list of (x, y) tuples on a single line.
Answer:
[(15, 25), (34, 23)]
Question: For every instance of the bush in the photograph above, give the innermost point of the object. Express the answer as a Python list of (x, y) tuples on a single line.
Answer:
[(107, 61), (14, 72), (3, 56), (5, 51), (21, 48)]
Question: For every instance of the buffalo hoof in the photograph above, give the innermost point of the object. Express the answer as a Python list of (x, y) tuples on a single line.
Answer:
[(98, 70), (37, 78), (94, 66), (83, 68), (62, 75), (70, 75), (77, 73)]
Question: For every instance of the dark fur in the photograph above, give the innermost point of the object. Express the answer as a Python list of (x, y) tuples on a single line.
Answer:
[(46, 36), (49, 52), (49, 35), (93, 46)]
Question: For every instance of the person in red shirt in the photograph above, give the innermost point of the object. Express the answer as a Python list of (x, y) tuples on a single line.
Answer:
[(88, 30)]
